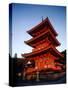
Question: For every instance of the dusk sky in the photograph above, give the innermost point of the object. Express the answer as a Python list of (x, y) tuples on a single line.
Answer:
[(25, 17)]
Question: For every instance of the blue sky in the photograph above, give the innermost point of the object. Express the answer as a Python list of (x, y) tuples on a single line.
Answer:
[(26, 16)]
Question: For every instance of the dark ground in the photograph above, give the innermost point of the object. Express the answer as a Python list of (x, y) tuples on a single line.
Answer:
[(61, 80)]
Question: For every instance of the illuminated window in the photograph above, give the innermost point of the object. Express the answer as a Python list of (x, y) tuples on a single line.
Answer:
[(45, 66), (28, 62), (19, 74)]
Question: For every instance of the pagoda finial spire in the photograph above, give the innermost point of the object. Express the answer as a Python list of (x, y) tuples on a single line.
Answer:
[(42, 18)]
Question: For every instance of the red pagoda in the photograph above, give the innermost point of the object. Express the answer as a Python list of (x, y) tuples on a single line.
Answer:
[(44, 52)]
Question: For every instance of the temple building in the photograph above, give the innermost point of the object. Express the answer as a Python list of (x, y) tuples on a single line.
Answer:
[(44, 55)]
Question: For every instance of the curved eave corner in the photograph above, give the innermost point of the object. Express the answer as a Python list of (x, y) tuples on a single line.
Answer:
[(26, 42), (29, 44)]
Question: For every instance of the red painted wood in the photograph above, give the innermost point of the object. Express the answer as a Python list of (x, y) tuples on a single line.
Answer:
[(45, 53)]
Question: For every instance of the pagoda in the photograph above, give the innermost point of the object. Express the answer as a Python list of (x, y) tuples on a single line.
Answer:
[(44, 52)]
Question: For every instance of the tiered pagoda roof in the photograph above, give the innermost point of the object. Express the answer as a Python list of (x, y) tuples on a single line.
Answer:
[(48, 33), (45, 23), (41, 32), (50, 49)]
